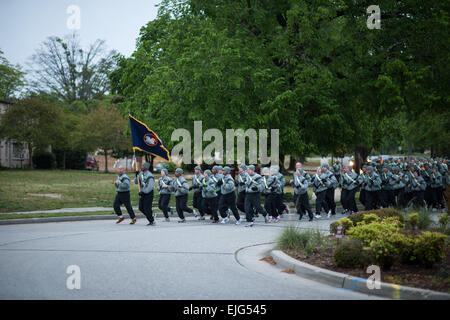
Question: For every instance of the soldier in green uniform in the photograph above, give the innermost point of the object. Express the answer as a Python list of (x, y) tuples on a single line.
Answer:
[(197, 178), (227, 201), (349, 184), (209, 196), (371, 183), (271, 183), (436, 189), (398, 187), (254, 187), (146, 183), (123, 196), (387, 183), (241, 180), (417, 186), (321, 182), (301, 184), (337, 170), (181, 189), (164, 193)]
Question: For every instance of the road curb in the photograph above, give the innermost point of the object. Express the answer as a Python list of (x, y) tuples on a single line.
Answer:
[(70, 218), (346, 282)]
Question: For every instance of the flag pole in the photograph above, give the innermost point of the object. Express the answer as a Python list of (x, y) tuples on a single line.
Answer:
[(136, 168)]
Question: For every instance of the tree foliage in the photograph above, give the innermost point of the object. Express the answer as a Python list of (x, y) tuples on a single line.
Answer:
[(103, 128), (11, 78), (313, 69), (34, 122), (63, 69)]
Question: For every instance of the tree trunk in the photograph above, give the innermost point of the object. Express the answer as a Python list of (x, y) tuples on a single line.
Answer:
[(151, 162), (361, 154), (291, 163), (64, 160), (106, 160), (282, 168)]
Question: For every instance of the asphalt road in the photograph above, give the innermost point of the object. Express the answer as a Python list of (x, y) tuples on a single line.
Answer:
[(195, 260)]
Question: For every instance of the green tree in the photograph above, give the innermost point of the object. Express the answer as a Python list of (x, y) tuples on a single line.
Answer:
[(11, 78), (63, 69), (103, 129), (34, 122)]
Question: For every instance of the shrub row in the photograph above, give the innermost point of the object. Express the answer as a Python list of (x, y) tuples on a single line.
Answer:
[(380, 241)]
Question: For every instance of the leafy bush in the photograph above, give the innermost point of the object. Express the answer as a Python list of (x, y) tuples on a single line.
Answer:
[(386, 250), (369, 218), (44, 160), (413, 220), (346, 223), (374, 231), (349, 254), (429, 248), (382, 213)]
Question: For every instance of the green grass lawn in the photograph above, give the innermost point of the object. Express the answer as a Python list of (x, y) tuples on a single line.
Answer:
[(77, 189)]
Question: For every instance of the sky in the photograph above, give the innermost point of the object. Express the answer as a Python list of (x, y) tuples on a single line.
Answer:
[(24, 24)]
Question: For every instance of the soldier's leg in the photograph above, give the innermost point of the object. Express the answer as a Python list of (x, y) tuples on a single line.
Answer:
[(304, 200), (179, 207), (205, 206), (272, 205), (362, 197), (232, 206), (241, 201), (279, 203), (248, 207), (369, 200), (214, 208), (127, 203), (383, 198), (332, 203), (351, 200), (197, 202), (257, 205), (344, 199), (319, 196), (223, 206), (294, 199), (147, 201), (302, 205), (163, 204), (440, 197), (428, 196), (184, 207), (116, 205), (298, 206)]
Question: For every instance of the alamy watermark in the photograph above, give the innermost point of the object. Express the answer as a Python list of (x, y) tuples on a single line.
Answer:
[(74, 280), (374, 20), (215, 152), (74, 20)]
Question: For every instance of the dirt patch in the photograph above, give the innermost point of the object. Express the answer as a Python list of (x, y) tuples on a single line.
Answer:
[(436, 278), (290, 271), (268, 259), (47, 195)]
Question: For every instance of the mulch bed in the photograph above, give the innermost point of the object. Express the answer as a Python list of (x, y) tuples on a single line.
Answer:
[(436, 278)]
